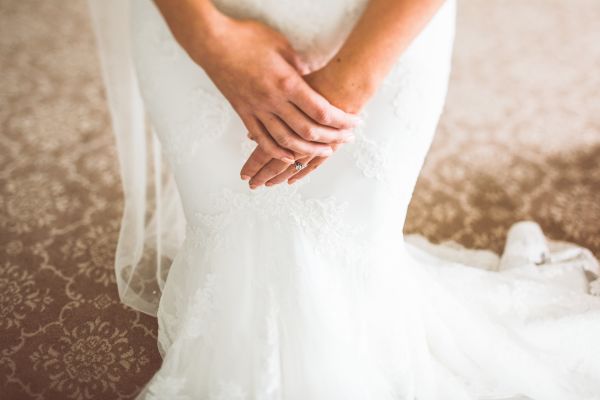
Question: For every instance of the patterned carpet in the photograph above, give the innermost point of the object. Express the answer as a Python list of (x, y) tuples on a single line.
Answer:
[(520, 139)]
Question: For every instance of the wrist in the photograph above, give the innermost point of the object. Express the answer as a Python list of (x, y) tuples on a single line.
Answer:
[(197, 25), (210, 29), (353, 82)]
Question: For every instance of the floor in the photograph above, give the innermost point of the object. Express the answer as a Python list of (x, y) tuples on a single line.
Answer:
[(519, 139)]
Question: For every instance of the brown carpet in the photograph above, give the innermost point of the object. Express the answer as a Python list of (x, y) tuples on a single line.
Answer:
[(520, 139)]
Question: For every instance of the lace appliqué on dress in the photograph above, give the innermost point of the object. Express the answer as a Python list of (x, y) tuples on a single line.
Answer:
[(271, 375), (321, 219), (197, 321), (204, 120), (370, 155)]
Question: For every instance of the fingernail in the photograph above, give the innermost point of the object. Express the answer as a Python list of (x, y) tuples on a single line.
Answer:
[(268, 184), (287, 160), (350, 139), (291, 181), (245, 177), (327, 152), (253, 186)]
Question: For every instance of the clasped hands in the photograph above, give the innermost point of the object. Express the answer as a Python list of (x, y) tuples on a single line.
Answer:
[(291, 112), (308, 135)]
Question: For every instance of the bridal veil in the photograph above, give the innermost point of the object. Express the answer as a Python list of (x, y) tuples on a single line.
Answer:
[(153, 224)]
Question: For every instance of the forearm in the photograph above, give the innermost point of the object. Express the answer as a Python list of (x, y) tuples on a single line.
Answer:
[(196, 24), (384, 31)]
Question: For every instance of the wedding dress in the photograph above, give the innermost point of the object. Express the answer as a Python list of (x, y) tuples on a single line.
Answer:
[(309, 291)]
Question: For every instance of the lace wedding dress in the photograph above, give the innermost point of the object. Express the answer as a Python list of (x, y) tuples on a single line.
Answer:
[(309, 291)]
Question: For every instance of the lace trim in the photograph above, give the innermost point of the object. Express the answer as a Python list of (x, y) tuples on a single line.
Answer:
[(321, 219)]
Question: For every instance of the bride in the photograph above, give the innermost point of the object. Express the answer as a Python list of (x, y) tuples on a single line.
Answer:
[(294, 133)]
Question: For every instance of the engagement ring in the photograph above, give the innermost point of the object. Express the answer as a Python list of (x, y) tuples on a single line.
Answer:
[(299, 165)]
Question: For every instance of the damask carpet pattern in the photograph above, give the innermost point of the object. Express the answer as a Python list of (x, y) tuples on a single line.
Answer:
[(519, 139)]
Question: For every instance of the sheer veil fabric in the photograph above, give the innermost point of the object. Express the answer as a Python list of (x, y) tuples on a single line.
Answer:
[(153, 224)]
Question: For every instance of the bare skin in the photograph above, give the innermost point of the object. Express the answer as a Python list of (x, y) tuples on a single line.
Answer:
[(259, 73), (352, 76)]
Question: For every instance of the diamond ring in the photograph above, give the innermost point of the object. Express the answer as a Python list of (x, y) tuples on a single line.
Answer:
[(298, 165)]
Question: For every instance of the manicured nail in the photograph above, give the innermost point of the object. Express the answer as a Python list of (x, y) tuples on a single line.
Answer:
[(288, 160), (253, 186), (268, 184), (245, 177), (350, 139), (327, 152)]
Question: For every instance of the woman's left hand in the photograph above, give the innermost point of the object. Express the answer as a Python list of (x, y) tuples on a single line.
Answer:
[(342, 92)]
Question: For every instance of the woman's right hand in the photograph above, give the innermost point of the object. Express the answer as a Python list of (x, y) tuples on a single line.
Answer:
[(260, 74)]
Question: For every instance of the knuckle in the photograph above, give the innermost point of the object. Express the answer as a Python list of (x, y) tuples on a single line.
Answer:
[(261, 152), (286, 83), (260, 140), (284, 141), (308, 132), (312, 134), (273, 151), (322, 114), (271, 171), (264, 95), (260, 159), (313, 151), (238, 106)]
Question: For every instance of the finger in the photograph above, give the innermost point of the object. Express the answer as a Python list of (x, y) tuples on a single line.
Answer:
[(268, 171), (258, 133), (287, 173), (309, 130), (314, 164), (320, 110), (255, 162), (288, 139), (335, 146), (294, 59)]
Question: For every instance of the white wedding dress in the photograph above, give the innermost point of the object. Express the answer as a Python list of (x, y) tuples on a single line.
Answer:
[(310, 291)]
